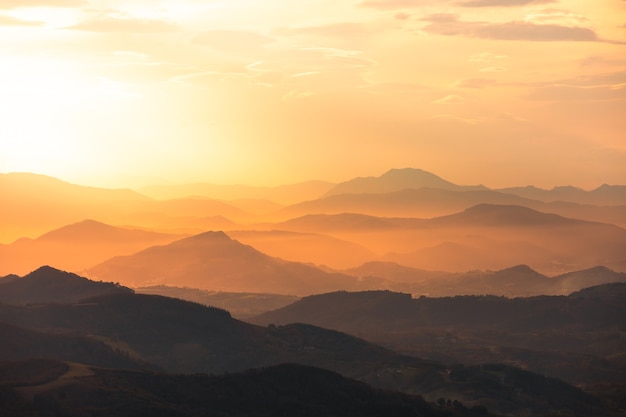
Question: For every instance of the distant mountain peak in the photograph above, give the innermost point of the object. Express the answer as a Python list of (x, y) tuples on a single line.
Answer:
[(397, 179)]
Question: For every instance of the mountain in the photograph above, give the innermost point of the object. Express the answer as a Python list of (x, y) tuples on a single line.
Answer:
[(50, 285), (179, 336), (20, 344), (34, 204), (574, 337), (397, 180), (305, 247), (605, 195), (77, 246), (285, 194), (213, 261), (287, 389), (421, 203), (241, 305), (484, 236)]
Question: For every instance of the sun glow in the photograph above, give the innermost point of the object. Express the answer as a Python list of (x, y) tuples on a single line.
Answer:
[(42, 104)]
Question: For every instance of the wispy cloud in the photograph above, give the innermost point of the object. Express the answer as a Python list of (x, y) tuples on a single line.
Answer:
[(232, 40), (449, 25), (503, 3), (127, 25), (14, 4)]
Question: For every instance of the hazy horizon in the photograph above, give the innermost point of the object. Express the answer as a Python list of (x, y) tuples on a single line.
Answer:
[(129, 93)]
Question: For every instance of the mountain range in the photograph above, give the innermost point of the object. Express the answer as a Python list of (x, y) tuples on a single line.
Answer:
[(179, 336)]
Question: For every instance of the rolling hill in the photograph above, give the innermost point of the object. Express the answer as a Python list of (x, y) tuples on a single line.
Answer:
[(397, 180), (77, 246), (213, 261), (50, 285), (574, 337), (179, 336)]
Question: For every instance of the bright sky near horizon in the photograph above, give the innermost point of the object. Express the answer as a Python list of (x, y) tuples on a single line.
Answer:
[(500, 92)]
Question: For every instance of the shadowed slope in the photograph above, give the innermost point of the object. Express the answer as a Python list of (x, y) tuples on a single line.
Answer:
[(49, 285)]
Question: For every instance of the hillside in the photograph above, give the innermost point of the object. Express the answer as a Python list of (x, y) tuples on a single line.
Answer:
[(77, 246), (483, 236), (179, 336), (279, 390), (575, 337), (213, 261), (241, 305), (50, 285), (397, 180)]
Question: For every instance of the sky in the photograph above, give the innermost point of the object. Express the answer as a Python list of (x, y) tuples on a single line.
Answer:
[(135, 92)]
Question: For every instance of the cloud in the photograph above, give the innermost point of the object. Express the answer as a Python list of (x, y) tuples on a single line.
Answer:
[(449, 25), (14, 4), (127, 25), (609, 86), (503, 3), (232, 40), (485, 57), (450, 99), (12, 21), (340, 34), (396, 4)]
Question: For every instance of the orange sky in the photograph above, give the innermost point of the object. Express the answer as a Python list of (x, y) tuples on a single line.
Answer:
[(499, 92)]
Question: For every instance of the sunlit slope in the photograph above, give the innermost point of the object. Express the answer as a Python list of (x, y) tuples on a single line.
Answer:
[(485, 236), (314, 248), (35, 204), (77, 246), (213, 261)]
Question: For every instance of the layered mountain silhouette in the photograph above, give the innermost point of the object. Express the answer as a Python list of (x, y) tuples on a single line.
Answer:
[(50, 285), (290, 389), (567, 337), (397, 180), (179, 336), (213, 261), (77, 246), (605, 195), (484, 236), (306, 247), (517, 281), (241, 305), (38, 204)]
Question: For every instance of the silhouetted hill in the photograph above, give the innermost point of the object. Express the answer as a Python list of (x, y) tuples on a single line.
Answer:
[(485, 236), (394, 272), (422, 202), (397, 180), (287, 389), (77, 246), (23, 344), (50, 285), (502, 215), (213, 261), (606, 195), (240, 304), (33, 204), (574, 337), (517, 281), (184, 337), (492, 236)]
